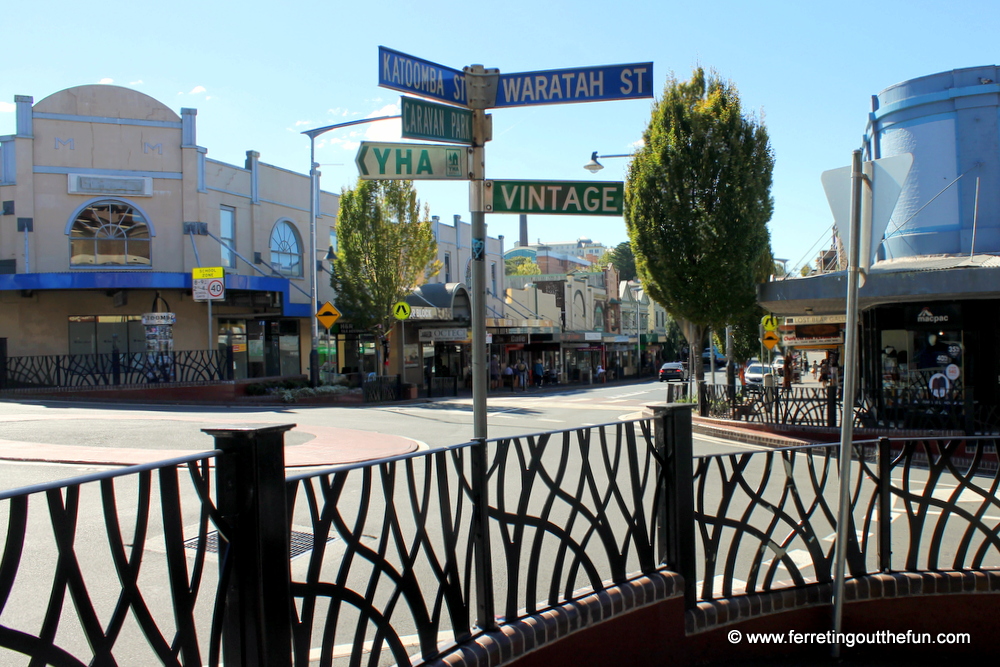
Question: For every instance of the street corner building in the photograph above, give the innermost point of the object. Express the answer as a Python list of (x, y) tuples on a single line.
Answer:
[(930, 305), (108, 207)]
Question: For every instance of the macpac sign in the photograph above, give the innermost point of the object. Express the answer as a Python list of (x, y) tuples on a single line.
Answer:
[(938, 316)]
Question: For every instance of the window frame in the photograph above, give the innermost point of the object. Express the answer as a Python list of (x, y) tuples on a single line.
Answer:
[(125, 237), (227, 257), (278, 266)]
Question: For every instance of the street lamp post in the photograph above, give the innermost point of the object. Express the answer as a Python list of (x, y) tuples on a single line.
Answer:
[(594, 166), (313, 208)]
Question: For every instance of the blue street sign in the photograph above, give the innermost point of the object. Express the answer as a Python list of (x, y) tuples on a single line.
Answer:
[(581, 84), (420, 77)]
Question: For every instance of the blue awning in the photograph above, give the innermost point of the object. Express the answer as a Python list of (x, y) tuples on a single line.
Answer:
[(151, 280)]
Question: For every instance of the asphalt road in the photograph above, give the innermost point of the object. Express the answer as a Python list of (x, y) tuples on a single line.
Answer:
[(432, 424)]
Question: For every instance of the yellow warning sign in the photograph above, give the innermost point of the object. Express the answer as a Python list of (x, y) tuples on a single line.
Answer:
[(401, 310), (770, 340), (769, 322), (327, 315)]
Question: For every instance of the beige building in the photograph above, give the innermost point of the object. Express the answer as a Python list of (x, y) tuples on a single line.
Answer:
[(109, 203)]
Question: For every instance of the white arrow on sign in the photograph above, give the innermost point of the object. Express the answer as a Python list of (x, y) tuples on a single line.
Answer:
[(886, 177), (411, 162)]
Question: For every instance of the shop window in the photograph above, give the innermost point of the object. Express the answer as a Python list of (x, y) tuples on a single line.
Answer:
[(104, 334), (286, 249), (109, 232)]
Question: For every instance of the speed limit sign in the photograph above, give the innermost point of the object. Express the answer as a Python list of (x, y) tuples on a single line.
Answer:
[(216, 288)]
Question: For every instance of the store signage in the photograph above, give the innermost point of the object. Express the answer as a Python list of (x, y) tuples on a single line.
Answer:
[(438, 335), (792, 340), (157, 319), (815, 319), (430, 313), (937, 316)]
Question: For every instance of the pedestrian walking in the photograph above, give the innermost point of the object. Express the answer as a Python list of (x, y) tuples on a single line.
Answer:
[(494, 372), (539, 372), (522, 374)]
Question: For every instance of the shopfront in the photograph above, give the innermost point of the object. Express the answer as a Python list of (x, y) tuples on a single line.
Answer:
[(925, 358), (262, 348), (447, 353)]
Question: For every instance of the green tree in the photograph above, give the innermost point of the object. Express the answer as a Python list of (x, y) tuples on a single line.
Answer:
[(624, 260), (386, 251), (697, 203), (520, 266)]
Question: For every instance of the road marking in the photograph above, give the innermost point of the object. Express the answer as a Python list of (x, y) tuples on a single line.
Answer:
[(554, 421)]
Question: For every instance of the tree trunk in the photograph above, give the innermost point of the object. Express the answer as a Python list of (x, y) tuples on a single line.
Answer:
[(695, 335)]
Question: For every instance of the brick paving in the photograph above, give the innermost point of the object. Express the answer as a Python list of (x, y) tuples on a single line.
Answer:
[(329, 446)]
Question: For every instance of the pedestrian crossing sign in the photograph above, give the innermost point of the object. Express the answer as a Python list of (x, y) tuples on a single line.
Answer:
[(401, 310)]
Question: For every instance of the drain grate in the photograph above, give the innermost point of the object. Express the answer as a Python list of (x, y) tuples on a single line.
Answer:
[(300, 542)]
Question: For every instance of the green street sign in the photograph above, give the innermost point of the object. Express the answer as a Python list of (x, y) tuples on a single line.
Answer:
[(435, 122), (411, 162), (558, 197)]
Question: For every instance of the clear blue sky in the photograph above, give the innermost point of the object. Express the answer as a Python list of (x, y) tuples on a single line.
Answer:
[(261, 72)]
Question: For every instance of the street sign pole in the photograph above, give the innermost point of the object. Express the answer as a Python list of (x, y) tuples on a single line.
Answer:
[(850, 382), (476, 77)]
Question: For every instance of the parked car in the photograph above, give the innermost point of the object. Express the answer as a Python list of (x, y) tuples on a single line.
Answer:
[(672, 370), (720, 359), (778, 365), (754, 375)]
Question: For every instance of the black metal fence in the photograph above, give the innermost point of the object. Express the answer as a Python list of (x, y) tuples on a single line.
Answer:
[(822, 406), (401, 559), (442, 386), (766, 520), (114, 369), (382, 388)]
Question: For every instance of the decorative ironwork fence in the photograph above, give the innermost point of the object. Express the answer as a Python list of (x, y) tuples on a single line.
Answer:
[(442, 386), (114, 369), (767, 520), (821, 406), (401, 559), (382, 388)]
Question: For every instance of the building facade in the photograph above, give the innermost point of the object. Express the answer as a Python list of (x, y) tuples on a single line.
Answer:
[(109, 204), (930, 305)]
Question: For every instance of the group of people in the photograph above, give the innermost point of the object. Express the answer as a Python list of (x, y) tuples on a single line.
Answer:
[(517, 374)]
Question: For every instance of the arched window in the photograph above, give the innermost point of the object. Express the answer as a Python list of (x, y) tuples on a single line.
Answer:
[(109, 232), (286, 249)]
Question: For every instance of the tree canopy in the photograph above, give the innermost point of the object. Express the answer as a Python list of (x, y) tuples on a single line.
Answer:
[(520, 266), (697, 203), (386, 251), (623, 259)]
